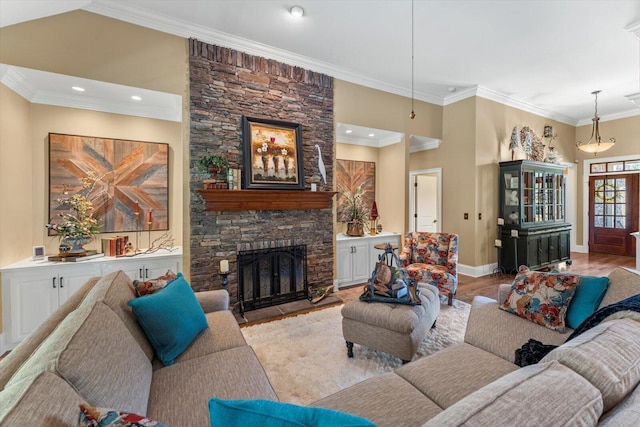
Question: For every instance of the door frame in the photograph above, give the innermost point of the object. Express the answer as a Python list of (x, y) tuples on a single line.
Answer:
[(412, 196), (586, 173)]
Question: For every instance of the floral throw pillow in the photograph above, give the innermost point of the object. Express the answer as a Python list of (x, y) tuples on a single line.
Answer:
[(91, 416), (148, 287), (541, 297)]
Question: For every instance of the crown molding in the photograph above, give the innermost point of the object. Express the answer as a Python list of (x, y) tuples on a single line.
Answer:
[(181, 28), (622, 115), (17, 82), (422, 143), (634, 29), (169, 109)]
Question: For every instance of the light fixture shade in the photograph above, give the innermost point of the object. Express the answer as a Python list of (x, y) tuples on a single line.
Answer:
[(595, 144)]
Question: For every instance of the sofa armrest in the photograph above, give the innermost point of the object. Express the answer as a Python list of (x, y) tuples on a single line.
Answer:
[(216, 300), (503, 291), (501, 333)]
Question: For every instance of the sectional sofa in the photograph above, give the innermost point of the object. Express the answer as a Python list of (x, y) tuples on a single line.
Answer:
[(92, 350)]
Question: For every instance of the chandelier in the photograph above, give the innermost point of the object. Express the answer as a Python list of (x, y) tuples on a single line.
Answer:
[(595, 144)]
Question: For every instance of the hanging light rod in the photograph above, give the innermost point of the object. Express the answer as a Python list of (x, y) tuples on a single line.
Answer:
[(413, 114), (595, 144)]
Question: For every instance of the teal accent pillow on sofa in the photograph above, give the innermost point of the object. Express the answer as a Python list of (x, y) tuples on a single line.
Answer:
[(171, 318), (586, 300), (266, 413)]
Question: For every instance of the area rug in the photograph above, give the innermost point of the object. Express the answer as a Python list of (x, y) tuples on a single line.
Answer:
[(305, 357)]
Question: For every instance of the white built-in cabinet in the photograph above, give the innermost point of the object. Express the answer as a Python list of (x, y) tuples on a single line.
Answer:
[(356, 256), (33, 290)]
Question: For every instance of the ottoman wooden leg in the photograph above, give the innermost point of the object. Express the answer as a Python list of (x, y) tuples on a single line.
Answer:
[(349, 349), (450, 298), (434, 324)]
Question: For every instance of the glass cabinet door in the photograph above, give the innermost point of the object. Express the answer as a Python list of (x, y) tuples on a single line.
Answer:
[(511, 197)]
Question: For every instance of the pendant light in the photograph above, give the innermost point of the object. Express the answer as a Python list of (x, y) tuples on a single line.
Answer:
[(595, 144), (413, 114)]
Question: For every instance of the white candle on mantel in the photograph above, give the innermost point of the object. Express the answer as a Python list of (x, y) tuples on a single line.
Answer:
[(224, 266)]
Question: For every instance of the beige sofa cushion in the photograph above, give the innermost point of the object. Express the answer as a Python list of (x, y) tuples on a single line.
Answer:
[(501, 333), (387, 400), (41, 400), (95, 353), (607, 355), (18, 355), (624, 414), (623, 283), (223, 333), (230, 374), (547, 394), (115, 289), (451, 374)]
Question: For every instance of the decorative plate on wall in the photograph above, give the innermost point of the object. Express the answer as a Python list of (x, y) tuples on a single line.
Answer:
[(133, 175)]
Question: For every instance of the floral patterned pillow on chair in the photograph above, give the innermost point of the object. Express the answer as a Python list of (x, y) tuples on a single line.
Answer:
[(541, 297)]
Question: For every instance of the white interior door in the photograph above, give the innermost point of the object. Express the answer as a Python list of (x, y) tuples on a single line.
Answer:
[(426, 214)]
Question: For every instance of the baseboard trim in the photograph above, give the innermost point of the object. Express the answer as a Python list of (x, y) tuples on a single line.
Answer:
[(580, 249), (479, 271)]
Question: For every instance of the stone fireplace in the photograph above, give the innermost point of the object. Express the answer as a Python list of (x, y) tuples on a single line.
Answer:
[(224, 86)]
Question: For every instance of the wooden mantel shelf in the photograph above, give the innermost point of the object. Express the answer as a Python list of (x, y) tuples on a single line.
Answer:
[(265, 200)]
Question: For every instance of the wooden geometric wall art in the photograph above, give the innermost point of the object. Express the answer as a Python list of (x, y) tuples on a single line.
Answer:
[(128, 171), (350, 174)]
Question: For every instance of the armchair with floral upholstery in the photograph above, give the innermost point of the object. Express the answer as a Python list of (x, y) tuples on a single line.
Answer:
[(432, 258)]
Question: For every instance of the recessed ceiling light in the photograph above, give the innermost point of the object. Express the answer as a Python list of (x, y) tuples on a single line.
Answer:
[(452, 89), (348, 131), (78, 88), (372, 134), (297, 11), (136, 98)]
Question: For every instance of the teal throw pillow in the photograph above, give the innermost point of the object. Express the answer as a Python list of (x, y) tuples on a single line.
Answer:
[(171, 318), (586, 300), (266, 413)]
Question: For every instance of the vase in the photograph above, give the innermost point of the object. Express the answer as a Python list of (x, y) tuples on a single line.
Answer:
[(355, 229), (73, 246)]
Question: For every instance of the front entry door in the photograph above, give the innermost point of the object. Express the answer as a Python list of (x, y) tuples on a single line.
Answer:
[(613, 213)]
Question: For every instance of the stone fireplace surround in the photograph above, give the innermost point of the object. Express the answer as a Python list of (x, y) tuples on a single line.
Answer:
[(225, 85)]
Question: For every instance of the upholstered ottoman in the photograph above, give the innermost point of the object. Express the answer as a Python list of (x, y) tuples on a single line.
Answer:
[(395, 329)]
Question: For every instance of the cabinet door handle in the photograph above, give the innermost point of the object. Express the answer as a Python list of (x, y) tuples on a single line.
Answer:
[(141, 276), (54, 283), (146, 273), (62, 282)]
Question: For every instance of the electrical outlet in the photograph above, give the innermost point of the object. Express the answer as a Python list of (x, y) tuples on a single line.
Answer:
[(479, 216), (466, 215)]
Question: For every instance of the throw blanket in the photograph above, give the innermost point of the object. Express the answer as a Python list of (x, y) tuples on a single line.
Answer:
[(533, 351)]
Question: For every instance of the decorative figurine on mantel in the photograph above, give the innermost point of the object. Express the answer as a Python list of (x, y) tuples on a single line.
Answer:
[(513, 145)]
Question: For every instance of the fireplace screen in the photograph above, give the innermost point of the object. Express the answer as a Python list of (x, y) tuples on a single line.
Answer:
[(272, 276)]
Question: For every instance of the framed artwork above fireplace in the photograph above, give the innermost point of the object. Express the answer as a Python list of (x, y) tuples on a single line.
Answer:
[(272, 152)]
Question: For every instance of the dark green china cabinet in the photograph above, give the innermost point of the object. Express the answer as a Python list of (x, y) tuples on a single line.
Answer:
[(532, 204)]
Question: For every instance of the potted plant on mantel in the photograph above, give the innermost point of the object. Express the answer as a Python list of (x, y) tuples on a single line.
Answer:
[(213, 164), (354, 211)]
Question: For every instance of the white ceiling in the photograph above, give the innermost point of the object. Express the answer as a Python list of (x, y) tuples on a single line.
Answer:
[(543, 56)]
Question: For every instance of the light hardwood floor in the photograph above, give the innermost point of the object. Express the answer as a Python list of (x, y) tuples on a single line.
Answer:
[(468, 287)]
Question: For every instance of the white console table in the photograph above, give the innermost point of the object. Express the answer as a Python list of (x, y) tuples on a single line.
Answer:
[(356, 256), (32, 290)]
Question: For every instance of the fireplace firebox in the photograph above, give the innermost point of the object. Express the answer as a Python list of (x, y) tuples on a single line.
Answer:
[(272, 275)]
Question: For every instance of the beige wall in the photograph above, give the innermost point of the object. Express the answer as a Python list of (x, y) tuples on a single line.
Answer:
[(456, 157), (494, 124), (16, 180), (92, 46)]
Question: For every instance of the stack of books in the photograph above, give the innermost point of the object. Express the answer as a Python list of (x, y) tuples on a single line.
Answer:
[(115, 246)]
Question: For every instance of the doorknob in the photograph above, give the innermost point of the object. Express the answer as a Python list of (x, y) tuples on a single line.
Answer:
[(435, 220)]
